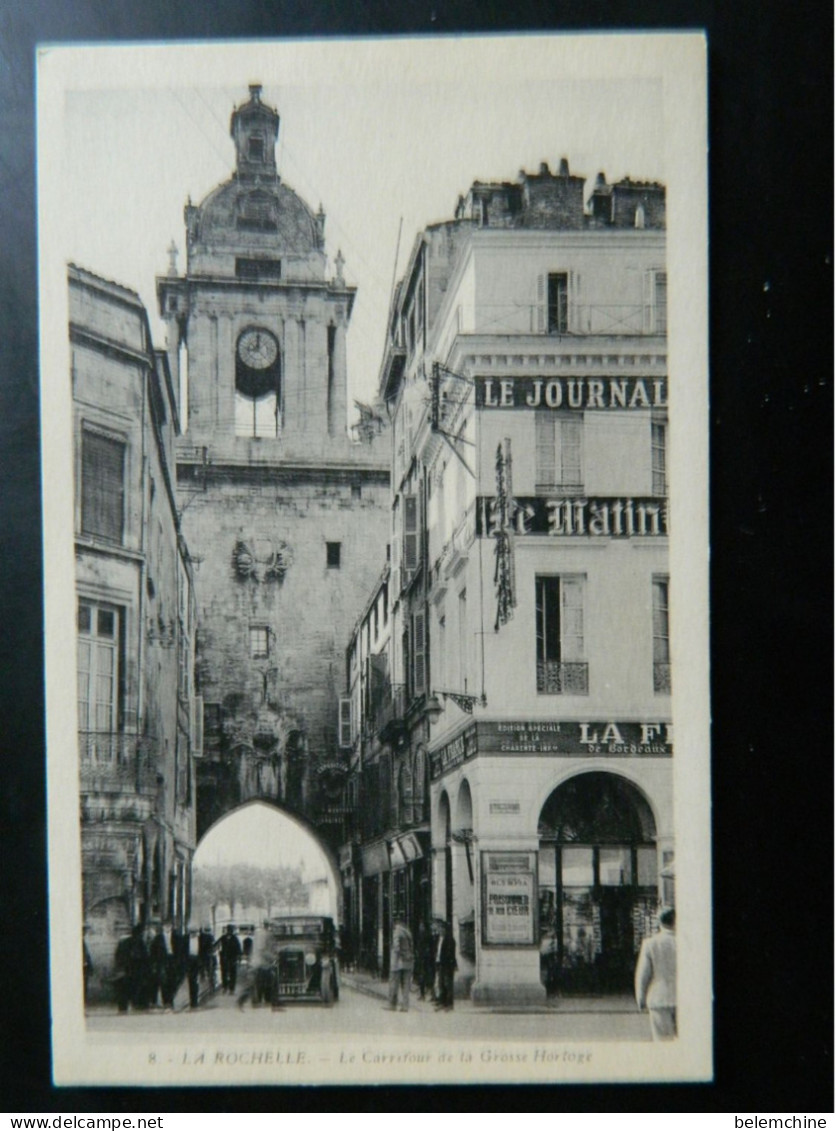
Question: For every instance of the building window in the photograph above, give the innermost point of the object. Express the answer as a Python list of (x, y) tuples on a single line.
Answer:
[(661, 637), (558, 451), (558, 303), (658, 457), (410, 535), (99, 643), (656, 302), (102, 486), (419, 654), (255, 148), (561, 668), (345, 722), (259, 641), (332, 554), (660, 302)]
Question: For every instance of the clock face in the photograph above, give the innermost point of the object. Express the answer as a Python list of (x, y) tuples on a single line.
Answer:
[(257, 349)]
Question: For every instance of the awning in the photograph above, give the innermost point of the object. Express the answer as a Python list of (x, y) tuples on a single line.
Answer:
[(375, 858), (408, 847)]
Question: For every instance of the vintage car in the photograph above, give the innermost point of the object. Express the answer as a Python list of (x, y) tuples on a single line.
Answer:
[(298, 961)]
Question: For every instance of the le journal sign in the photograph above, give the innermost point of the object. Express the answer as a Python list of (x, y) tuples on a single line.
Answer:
[(579, 393)]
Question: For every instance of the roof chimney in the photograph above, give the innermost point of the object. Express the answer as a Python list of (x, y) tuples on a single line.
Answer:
[(564, 168)]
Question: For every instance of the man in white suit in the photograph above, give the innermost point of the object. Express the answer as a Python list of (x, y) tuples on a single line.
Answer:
[(656, 977)]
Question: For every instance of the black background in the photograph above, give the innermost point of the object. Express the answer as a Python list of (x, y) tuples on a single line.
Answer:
[(771, 249)]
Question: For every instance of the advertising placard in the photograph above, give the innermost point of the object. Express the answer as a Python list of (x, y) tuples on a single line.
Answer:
[(508, 898)]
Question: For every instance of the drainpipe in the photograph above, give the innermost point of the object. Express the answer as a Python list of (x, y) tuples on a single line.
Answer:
[(143, 565)]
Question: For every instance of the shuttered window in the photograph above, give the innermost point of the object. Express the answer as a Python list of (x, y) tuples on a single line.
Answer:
[(559, 610), (410, 539), (102, 486), (345, 722), (419, 660), (558, 450)]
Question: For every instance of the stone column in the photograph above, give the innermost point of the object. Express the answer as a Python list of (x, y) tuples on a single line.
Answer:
[(337, 400)]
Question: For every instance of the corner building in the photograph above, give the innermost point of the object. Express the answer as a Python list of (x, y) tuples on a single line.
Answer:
[(527, 374), (282, 511), (136, 621)]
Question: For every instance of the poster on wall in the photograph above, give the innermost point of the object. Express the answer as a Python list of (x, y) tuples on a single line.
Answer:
[(508, 898)]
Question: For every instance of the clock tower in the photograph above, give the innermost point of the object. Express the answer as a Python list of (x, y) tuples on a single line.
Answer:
[(284, 514)]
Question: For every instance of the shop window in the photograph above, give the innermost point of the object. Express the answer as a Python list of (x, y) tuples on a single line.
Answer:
[(259, 642), (577, 867), (99, 646), (332, 554), (661, 637), (558, 451), (102, 486), (658, 457), (615, 868), (561, 668)]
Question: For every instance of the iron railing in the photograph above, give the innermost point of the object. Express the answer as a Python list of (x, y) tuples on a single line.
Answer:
[(662, 677), (557, 678), (113, 762)]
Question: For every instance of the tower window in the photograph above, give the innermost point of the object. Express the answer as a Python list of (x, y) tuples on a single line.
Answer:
[(332, 554), (259, 641), (255, 149)]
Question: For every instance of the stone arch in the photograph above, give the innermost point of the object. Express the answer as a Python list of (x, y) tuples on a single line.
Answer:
[(304, 826), (464, 809), (630, 791)]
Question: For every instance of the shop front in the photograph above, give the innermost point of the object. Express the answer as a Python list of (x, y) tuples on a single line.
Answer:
[(373, 951), (549, 843), (598, 884)]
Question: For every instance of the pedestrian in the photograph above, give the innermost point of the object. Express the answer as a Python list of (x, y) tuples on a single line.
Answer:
[(402, 965), (206, 948), (87, 964), (426, 948), (230, 949), (447, 966), (656, 977), (132, 970), (161, 961), (193, 967)]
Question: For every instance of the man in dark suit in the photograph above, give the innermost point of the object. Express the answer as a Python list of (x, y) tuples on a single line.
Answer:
[(446, 965), (230, 949)]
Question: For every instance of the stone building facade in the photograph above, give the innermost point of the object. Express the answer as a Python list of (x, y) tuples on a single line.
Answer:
[(284, 513), (526, 374), (136, 624)]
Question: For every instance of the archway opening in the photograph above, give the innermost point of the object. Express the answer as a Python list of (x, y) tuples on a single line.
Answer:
[(599, 876), (257, 863)]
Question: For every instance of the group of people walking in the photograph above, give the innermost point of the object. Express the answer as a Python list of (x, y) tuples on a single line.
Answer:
[(431, 962), (150, 966)]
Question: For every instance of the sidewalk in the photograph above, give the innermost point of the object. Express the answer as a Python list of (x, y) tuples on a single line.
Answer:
[(373, 986)]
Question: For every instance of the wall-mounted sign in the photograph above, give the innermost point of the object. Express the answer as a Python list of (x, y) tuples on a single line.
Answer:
[(609, 738), (575, 517), (579, 393), (504, 808), (509, 906), (503, 543), (454, 753)]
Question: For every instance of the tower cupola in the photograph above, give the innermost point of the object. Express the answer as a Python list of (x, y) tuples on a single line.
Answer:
[(254, 127)]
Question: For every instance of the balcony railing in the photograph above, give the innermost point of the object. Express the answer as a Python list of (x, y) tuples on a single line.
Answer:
[(389, 709), (112, 762), (556, 678), (662, 678)]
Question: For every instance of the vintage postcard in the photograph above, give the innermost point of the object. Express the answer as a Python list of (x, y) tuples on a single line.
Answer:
[(375, 416)]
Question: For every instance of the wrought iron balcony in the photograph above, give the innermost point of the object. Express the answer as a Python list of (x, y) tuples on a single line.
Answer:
[(662, 678), (557, 678), (389, 710), (111, 762)]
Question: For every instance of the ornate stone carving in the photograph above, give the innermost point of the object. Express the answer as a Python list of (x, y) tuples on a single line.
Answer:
[(261, 559)]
